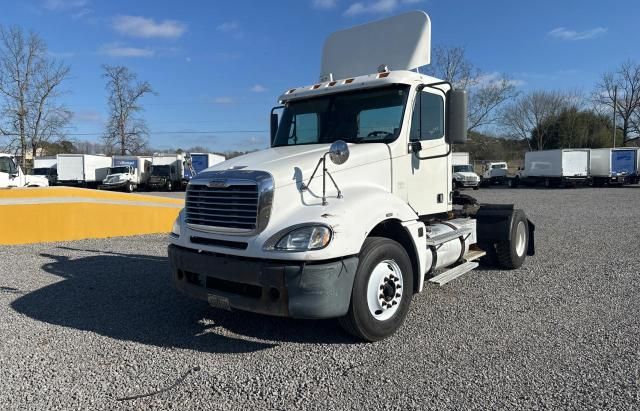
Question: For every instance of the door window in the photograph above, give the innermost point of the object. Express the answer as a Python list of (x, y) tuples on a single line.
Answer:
[(427, 122), (7, 165)]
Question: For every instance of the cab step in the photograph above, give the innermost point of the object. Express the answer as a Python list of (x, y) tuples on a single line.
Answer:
[(455, 272)]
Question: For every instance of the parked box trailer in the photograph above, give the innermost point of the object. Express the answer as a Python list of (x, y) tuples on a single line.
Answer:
[(202, 161), (460, 159), (82, 169), (554, 167), (614, 165)]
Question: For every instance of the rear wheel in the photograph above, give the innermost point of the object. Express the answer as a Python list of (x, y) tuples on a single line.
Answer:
[(511, 253), (169, 185), (129, 187), (382, 290)]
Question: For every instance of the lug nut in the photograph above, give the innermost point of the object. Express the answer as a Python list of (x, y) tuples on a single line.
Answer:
[(394, 302), (398, 295)]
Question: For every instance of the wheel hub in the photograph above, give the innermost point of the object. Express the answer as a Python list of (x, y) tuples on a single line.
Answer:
[(384, 290)]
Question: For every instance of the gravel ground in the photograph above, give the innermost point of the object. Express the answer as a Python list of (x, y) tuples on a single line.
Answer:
[(84, 323)]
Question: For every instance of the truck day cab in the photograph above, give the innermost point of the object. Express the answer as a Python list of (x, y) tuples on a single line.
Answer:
[(463, 172), (352, 207), (127, 173), (11, 174)]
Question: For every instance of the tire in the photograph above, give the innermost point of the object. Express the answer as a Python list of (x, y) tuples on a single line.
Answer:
[(547, 182), (490, 259), (511, 254), (169, 186), (367, 318), (476, 187), (129, 187)]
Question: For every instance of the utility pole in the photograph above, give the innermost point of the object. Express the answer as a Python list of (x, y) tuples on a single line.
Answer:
[(615, 107)]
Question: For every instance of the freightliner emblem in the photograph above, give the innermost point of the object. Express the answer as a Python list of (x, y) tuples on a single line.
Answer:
[(217, 184)]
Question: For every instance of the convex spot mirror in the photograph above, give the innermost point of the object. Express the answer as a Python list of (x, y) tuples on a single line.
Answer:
[(339, 152)]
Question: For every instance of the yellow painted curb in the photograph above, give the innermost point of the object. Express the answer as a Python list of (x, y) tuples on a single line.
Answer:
[(61, 214)]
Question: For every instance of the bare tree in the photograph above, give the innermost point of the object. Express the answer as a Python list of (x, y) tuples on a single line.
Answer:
[(530, 116), (487, 92), (126, 132), (625, 82), (30, 83)]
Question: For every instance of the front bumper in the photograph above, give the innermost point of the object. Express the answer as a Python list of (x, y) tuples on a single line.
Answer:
[(113, 186), (281, 288)]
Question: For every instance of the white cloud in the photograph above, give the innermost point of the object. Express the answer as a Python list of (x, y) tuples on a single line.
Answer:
[(259, 88), (58, 5), (324, 4), (228, 27), (487, 79), (137, 26), (572, 35), (187, 59), (377, 6), (118, 50), (224, 100)]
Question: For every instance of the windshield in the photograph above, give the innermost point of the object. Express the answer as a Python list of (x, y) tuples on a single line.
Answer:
[(160, 171), (499, 166), (467, 168), (363, 116), (41, 171), (118, 170)]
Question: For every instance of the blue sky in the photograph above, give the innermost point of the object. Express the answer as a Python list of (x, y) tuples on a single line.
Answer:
[(220, 65)]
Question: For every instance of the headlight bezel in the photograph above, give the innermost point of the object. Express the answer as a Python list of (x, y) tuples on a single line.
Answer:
[(273, 243)]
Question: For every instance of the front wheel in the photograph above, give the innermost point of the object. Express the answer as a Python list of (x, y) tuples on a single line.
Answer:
[(169, 186), (382, 290)]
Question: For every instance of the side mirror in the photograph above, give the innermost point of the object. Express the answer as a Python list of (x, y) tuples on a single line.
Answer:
[(274, 125), (339, 152), (457, 117)]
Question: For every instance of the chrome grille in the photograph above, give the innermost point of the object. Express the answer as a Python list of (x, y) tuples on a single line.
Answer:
[(217, 202)]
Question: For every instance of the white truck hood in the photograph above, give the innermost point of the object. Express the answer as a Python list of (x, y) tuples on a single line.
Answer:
[(286, 164), (38, 181), (465, 174)]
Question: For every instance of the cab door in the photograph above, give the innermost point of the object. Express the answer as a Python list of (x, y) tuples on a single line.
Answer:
[(9, 175), (429, 179)]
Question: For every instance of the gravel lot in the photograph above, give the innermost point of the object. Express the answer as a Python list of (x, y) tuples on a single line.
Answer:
[(84, 323)]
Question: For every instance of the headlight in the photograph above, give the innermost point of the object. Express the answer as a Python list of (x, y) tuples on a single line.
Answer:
[(304, 238), (175, 230)]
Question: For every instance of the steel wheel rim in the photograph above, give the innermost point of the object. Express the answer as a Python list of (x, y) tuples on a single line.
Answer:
[(384, 290), (521, 238)]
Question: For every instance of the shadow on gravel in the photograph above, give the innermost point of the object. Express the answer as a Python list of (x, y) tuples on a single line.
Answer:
[(131, 298)]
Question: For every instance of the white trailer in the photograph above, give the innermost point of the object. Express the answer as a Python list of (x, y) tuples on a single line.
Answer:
[(614, 165), (202, 161), (554, 168), (460, 159), (45, 162), (351, 209), (82, 169), (127, 173)]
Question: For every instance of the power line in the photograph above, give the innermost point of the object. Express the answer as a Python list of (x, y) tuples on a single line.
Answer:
[(159, 132)]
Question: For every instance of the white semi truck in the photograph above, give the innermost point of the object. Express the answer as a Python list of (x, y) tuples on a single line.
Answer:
[(127, 173), (11, 174), (494, 173), (463, 173), (47, 167), (558, 167), (82, 169), (352, 208)]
